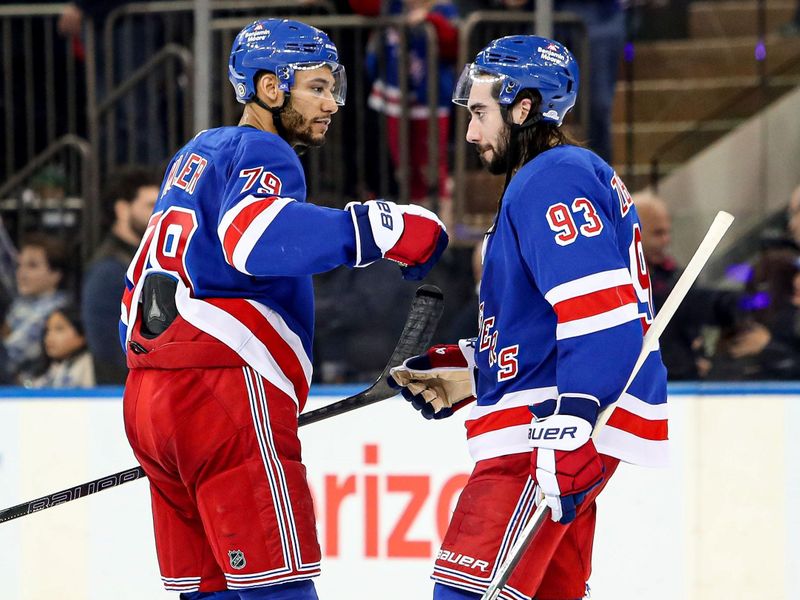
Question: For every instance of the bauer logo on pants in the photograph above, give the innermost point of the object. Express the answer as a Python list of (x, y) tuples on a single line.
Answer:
[(237, 559)]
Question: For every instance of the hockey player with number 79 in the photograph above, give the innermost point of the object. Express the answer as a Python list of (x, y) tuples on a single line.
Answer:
[(564, 305), (217, 321)]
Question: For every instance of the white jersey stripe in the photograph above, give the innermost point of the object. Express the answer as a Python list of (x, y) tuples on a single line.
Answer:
[(606, 320), (632, 449), (286, 334), (501, 442), (513, 400), (586, 285), (232, 213), (231, 332), (253, 233), (652, 412)]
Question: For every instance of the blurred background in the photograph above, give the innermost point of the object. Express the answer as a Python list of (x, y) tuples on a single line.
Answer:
[(696, 104)]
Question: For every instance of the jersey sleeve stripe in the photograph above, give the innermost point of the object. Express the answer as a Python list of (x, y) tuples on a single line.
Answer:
[(595, 303), (588, 284), (606, 320), (246, 227)]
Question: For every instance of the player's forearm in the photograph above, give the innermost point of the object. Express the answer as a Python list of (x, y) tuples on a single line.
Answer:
[(304, 239)]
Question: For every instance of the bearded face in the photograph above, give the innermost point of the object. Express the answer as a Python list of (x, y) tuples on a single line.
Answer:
[(494, 156), (302, 130)]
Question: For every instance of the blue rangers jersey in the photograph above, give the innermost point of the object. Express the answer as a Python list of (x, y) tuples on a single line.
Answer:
[(232, 225), (564, 303)]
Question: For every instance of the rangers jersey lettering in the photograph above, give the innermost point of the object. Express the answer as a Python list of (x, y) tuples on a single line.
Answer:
[(564, 303), (232, 226)]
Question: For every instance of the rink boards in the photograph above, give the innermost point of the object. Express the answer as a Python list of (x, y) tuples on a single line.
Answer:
[(720, 524)]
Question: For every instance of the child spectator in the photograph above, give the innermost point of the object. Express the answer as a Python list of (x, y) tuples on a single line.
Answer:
[(385, 96), (40, 271), (69, 361)]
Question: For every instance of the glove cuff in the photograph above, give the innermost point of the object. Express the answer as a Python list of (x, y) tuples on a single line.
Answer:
[(467, 347), (559, 432), (367, 251), (579, 405), (565, 423)]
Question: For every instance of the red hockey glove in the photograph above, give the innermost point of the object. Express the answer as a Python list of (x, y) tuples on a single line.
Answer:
[(440, 381), (409, 235), (564, 461)]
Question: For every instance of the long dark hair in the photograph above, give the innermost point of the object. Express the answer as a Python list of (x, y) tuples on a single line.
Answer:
[(534, 136)]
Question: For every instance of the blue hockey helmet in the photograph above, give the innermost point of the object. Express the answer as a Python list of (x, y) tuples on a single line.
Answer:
[(518, 62), (282, 46)]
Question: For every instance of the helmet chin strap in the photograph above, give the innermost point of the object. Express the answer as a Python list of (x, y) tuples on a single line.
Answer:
[(512, 156), (276, 112), (515, 129)]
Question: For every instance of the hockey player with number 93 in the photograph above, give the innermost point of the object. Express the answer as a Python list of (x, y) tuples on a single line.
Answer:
[(217, 321), (564, 305)]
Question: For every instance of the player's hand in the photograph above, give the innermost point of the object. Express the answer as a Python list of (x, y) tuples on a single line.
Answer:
[(564, 461), (438, 382), (409, 235)]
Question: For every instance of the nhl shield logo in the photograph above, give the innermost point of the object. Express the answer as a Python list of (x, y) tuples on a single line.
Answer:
[(236, 558)]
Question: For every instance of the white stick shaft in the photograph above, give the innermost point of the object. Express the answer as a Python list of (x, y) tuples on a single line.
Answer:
[(718, 228)]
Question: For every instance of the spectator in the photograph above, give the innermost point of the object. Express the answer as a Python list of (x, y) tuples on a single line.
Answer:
[(766, 344), (129, 200), (385, 96), (40, 272), (69, 361), (681, 343)]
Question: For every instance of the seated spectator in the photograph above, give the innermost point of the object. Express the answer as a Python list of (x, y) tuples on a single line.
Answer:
[(128, 199), (766, 342), (69, 363), (40, 272), (682, 347)]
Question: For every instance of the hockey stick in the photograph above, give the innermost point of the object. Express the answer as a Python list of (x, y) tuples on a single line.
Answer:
[(423, 317), (718, 228)]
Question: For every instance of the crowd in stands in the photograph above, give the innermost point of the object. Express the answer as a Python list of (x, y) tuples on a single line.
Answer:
[(62, 334)]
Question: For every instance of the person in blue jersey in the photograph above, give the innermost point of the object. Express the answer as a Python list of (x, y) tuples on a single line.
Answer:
[(217, 322), (564, 303)]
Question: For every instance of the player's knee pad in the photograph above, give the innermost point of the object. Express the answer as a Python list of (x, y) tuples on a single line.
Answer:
[(445, 592), (295, 590)]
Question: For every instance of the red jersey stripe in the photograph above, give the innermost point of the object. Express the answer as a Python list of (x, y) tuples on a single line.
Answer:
[(519, 415), (241, 222), (638, 426), (281, 351), (594, 303)]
